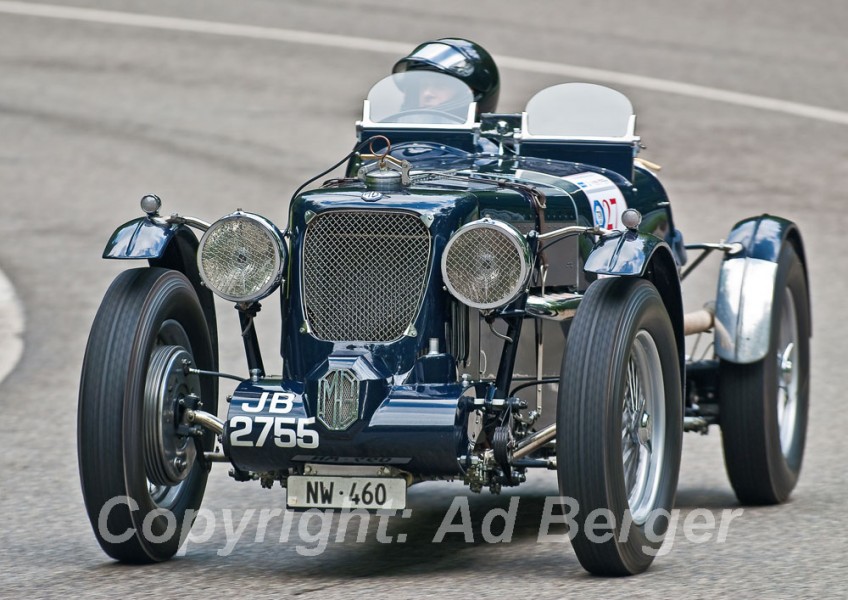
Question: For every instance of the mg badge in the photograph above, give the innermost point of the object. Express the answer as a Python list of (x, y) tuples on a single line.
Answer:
[(371, 196), (338, 399)]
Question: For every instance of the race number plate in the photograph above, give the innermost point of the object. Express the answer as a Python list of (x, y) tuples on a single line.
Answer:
[(306, 491)]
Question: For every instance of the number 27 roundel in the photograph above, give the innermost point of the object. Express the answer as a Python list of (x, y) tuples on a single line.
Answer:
[(603, 195)]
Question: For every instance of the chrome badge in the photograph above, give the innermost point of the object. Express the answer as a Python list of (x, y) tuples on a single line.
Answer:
[(371, 196), (338, 399)]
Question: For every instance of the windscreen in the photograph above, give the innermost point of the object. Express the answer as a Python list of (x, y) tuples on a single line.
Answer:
[(420, 97), (579, 110)]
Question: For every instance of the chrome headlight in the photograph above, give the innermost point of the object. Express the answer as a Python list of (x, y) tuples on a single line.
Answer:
[(486, 264), (242, 257)]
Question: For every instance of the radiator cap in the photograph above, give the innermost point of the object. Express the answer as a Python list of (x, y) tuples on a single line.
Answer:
[(384, 180)]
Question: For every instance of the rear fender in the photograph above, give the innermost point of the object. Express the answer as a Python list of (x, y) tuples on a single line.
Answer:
[(745, 296)]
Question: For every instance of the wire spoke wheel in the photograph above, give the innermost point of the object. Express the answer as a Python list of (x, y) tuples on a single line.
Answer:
[(619, 424), (642, 413), (787, 374), (765, 405)]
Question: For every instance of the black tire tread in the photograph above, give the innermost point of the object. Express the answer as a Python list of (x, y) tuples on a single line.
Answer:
[(756, 467), (103, 418), (582, 424)]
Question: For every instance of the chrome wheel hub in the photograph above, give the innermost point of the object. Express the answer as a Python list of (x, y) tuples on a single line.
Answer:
[(168, 457), (645, 429)]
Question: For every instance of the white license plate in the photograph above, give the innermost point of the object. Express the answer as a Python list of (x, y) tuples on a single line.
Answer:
[(310, 491)]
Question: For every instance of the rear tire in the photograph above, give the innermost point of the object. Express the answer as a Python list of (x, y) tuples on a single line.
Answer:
[(139, 477), (764, 405), (619, 425)]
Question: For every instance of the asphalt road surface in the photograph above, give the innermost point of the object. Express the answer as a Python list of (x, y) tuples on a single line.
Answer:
[(97, 110)]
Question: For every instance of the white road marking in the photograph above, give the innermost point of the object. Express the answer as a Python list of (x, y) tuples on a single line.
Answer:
[(197, 26), (796, 109), (397, 48), (11, 328)]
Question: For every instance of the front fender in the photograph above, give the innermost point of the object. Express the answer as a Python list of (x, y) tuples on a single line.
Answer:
[(745, 296), (140, 238), (170, 247), (628, 254), (637, 254)]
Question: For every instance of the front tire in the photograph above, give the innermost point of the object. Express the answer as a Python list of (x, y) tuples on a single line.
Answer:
[(139, 474), (619, 425), (764, 405)]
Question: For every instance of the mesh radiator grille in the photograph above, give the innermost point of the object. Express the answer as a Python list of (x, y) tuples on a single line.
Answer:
[(364, 274)]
